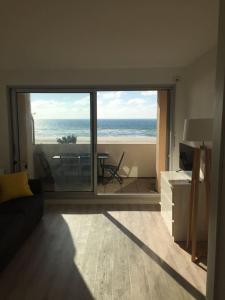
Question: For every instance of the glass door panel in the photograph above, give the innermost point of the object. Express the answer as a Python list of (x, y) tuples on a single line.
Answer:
[(56, 139), (126, 141)]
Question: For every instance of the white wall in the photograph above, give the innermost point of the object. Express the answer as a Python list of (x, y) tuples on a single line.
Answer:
[(119, 77), (105, 34), (194, 91), (200, 86), (144, 36), (196, 95)]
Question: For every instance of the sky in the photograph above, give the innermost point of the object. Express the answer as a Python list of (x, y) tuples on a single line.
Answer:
[(110, 105)]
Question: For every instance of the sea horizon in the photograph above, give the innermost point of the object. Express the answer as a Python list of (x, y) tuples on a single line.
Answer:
[(52, 129)]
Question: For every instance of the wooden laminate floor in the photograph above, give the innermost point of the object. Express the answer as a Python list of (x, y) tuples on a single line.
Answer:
[(99, 253)]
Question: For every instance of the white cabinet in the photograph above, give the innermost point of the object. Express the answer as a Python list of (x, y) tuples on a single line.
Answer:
[(175, 199)]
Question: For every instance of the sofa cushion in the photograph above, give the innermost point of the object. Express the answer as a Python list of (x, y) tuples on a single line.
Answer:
[(11, 229), (28, 206), (10, 225), (18, 218), (13, 186), (35, 186)]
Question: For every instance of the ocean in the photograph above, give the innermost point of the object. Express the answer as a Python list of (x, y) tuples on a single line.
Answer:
[(57, 128)]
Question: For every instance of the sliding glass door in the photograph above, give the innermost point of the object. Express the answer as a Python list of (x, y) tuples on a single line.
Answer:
[(55, 139), (100, 142)]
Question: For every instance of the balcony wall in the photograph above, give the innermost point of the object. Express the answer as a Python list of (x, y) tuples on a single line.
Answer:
[(139, 159)]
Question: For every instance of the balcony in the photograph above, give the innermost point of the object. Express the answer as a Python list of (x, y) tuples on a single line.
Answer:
[(138, 168)]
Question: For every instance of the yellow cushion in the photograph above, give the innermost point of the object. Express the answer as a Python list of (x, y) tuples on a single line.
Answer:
[(14, 186)]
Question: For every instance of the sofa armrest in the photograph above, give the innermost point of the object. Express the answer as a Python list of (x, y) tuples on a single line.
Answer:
[(35, 186)]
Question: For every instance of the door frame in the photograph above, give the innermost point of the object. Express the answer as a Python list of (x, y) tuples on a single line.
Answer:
[(13, 90)]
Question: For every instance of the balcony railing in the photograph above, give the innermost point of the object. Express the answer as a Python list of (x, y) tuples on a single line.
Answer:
[(139, 160)]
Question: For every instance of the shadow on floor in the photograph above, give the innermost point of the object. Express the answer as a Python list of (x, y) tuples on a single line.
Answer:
[(44, 267), (182, 281)]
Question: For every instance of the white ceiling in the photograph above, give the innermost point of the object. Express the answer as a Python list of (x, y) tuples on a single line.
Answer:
[(63, 34)]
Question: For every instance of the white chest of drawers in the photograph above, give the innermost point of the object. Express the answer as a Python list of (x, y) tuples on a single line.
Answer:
[(175, 199)]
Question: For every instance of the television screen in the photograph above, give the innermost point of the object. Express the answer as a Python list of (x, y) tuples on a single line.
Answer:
[(186, 157)]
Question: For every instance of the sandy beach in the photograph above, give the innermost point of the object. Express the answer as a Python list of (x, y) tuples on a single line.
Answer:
[(107, 140)]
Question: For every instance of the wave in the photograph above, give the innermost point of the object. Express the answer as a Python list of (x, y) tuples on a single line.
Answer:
[(105, 127)]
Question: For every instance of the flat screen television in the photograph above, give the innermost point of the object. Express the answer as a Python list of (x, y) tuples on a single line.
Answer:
[(186, 157)]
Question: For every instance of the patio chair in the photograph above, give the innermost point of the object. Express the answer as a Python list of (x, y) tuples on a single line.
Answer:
[(45, 166), (114, 171)]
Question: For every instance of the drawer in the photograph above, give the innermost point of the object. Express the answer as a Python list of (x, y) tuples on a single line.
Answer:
[(166, 207), (166, 188), (179, 231)]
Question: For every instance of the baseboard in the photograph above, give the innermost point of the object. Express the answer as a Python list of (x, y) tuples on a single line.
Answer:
[(109, 199)]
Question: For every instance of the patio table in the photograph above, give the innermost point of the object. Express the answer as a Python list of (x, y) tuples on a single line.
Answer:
[(100, 156)]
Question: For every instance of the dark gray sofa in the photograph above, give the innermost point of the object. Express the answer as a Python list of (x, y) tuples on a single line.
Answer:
[(18, 218)]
